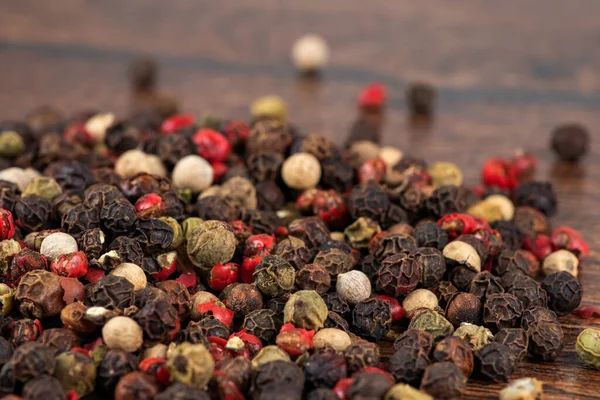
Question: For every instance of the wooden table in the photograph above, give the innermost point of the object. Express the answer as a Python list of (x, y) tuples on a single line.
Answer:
[(507, 72)]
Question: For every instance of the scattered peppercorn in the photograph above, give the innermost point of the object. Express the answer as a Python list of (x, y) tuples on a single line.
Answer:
[(570, 142), (496, 362), (444, 380), (516, 339)]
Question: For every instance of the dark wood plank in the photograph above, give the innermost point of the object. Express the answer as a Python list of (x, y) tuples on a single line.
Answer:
[(506, 75)]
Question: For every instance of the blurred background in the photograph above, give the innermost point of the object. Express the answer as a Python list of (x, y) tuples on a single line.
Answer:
[(505, 73)]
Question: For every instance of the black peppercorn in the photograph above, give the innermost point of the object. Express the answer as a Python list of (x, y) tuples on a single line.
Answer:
[(8, 382), (33, 213), (398, 274), (32, 359), (101, 195), (294, 251), (147, 295), (444, 290), (322, 394), (8, 195), (111, 291), (336, 304), (444, 380), (430, 234), (210, 326), (408, 364), (172, 148), (369, 265), (154, 234), (384, 245), (336, 174), (361, 355), (445, 200), (80, 218), (525, 289), (502, 310), (564, 292), (59, 340), (368, 200), (463, 307), (485, 284), (420, 99), (6, 351), (324, 370), (137, 386), (178, 295), (25, 330), (216, 208), (238, 370), (544, 332), (264, 324), (515, 338), (43, 387), (181, 391), (264, 165), (335, 261), (512, 238), (313, 277), (277, 304), (414, 338), (457, 351), (158, 321), (539, 195), (312, 230), (511, 261), (114, 365), (496, 362), (570, 142), (277, 372), (128, 249), (92, 242), (371, 319), (369, 386), (462, 276), (334, 320), (269, 196), (72, 175), (194, 334), (269, 135), (138, 185), (244, 299)]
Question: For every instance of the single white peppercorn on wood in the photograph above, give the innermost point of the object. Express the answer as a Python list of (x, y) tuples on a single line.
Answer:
[(57, 244), (122, 333), (301, 171), (310, 53), (192, 172), (336, 338), (353, 287), (132, 273)]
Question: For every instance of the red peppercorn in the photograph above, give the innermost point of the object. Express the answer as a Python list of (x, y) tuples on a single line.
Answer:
[(498, 172), (371, 170), (81, 350), (74, 265), (236, 131), (94, 275), (76, 133), (150, 205), (568, 238), (7, 225), (219, 170), (587, 312), (211, 145), (395, 307), (459, 224), (168, 264), (249, 265), (478, 190), (156, 367), (540, 245), (524, 164), (341, 388), (72, 395), (305, 201), (372, 96), (219, 311), (73, 290), (222, 275), (259, 245), (294, 341), (188, 278), (253, 343), (175, 123), (331, 207)]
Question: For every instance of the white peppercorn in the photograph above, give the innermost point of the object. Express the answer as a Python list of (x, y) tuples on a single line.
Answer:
[(560, 260), (132, 273), (133, 162), (419, 299), (97, 125), (57, 244), (301, 171), (157, 351), (504, 204), (365, 149), (310, 53), (464, 254), (122, 333), (198, 299), (522, 389), (353, 286), (336, 338), (192, 172)]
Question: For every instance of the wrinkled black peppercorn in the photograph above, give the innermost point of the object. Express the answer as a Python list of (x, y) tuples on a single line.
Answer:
[(516, 339), (539, 195), (430, 234), (502, 310), (564, 292), (398, 274), (264, 324), (114, 365), (408, 364), (485, 284), (111, 291), (444, 380), (496, 362), (324, 370), (371, 319), (368, 200), (525, 288)]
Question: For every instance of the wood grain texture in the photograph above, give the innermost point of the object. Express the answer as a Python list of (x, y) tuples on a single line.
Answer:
[(507, 72)]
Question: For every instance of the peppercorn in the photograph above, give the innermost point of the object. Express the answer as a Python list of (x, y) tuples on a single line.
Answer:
[(371, 319), (525, 288), (116, 364), (240, 192), (322, 394), (361, 355), (386, 244), (461, 277), (462, 254), (475, 336), (324, 370), (544, 332), (368, 200), (191, 364), (211, 243), (76, 372), (369, 265), (42, 186), (402, 391), (11, 143), (32, 359), (8, 195), (43, 387), (112, 292), (570, 142), (457, 351), (360, 233), (337, 304), (276, 372), (445, 173), (463, 307), (587, 347), (560, 260), (8, 382), (502, 310), (80, 218), (511, 261), (408, 364), (264, 324), (564, 292), (92, 242), (420, 99), (59, 339), (353, 287), (8, 249), (445, 290), (495, 362), (399, 274), (432, 322), (539, 195), (433, 265), (419, 299), (369, 385), (25, 330), (444, 380), (314, 277), (332, 337), (216, 208), (516, 339), (33, 213), (136, 385), (335, 320), (430, 234), (485, 284), (122, 333), (178, 295), (524, 388), (274, 276), (336, 262), (244, 299), (40, 294), (181, 391), (414, 338)]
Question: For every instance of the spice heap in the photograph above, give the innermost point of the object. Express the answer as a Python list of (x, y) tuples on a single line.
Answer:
[(167, 257)]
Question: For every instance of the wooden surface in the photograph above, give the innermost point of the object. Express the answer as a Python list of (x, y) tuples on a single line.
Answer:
[(507, 72)]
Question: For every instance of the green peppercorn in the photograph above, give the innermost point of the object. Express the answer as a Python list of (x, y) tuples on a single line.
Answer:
[(177, 231), (360, 233), (11, 144), (7, 295), (42, 186), (274, 276), (433, 323), (76, 372), (191, 364), (588, 347), (269, 354), (305, 309), (189, 224), (211, 243)]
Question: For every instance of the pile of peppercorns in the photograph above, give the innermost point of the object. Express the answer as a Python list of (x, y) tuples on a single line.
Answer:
[(162, 257)]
